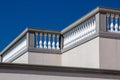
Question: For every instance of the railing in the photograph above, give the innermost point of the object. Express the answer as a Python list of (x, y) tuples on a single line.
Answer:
[(16, 50), (80, 32), (113, 22), (36, 40), (43, 39), (103, 22)]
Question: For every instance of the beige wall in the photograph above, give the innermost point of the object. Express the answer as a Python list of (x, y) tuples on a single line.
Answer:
[(109, 53), (97, 53), (85, 55), (44, 58), (39, 58), (22, 59), (18, 76)]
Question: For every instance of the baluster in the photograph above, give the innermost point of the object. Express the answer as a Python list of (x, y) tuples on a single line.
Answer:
[(87, 28), (85, 25), (45, 42), (64, 38), (40, 43), (94, 25), (49, 41), (70, 34), (82, 29), (57, 44), (37, 45), (111, 24), (78, 31), (73, 34), (116, 23), (53, 42), (90, 27), (108, 26)]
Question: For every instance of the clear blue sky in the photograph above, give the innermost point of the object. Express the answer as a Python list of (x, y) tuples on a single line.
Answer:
[(16, 15)]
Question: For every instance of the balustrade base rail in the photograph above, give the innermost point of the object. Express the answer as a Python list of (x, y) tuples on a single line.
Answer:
[(48, 51)]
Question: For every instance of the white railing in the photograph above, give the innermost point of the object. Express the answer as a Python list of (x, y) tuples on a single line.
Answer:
[(15, 51), (103, 22), (113, 22), (80, 32), (47, 40)]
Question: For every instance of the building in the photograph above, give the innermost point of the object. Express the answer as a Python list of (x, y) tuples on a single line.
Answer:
[(88, 49)]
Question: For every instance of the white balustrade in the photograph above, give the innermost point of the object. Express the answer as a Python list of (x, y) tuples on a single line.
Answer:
[(80, 32), (47, 40), (113, 22)]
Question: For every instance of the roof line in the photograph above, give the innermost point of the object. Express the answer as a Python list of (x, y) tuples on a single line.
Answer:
[(33, 68)]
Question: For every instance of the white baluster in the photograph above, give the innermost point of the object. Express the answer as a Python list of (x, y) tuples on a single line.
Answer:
[(82, 33), (40, 42), (87, 29), (84, 30), (108, 26), (90, 28), (53, 42), (57, 44), (45, 42), (49, 41), (72, 34), (92, 23), (111, 24), (37, 45), (94, 26), (64, 38), (116, 23)]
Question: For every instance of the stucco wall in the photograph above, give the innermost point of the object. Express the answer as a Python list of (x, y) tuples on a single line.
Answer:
[(44, 58), (14, 76), (85, 55), (22, 59), (109, 53), (97, 53)]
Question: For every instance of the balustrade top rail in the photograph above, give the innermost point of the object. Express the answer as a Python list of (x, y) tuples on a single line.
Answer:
[(99, 21)]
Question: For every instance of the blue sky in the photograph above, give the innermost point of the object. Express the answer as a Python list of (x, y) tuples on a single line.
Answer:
[(16, 15)]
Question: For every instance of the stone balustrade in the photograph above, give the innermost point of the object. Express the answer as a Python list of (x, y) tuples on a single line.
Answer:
[(80, 32), (46, 40), (113, 22), (103, 22)]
